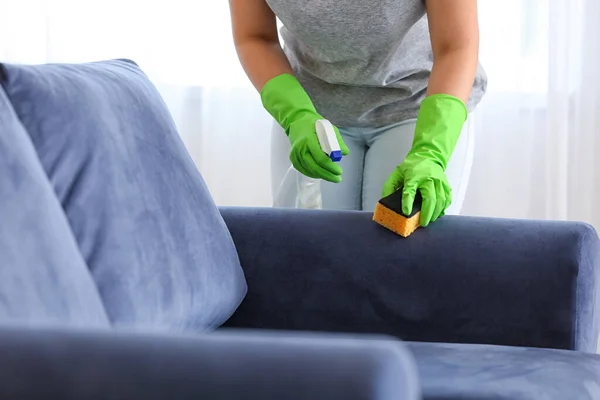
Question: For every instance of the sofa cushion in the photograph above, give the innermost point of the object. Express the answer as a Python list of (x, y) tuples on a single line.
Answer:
[(238, 365), (43, 277), (455, 371), (142, 215)]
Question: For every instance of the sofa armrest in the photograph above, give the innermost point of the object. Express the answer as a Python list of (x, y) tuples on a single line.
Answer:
[(54, 364), (461, 280)]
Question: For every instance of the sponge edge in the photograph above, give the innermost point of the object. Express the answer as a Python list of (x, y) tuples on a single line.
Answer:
[(388, 213)]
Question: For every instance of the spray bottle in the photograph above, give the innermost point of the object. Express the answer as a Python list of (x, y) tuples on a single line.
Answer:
[(308, 190)]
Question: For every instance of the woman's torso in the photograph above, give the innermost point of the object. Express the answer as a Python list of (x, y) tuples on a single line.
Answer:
[(364, 63)]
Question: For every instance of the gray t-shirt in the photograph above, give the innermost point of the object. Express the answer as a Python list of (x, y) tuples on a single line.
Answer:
[(364, 63)]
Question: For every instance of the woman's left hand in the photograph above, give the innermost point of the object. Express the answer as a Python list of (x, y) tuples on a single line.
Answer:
[(419, 173), (439, 124)]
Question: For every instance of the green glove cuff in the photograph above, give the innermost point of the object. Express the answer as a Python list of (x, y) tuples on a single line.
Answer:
[(285, 99), (439, 124)]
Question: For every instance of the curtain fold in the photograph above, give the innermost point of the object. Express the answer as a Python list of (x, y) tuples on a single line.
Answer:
[(537, 147)]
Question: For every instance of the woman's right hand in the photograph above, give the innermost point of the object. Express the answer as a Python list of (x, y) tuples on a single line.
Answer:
[(285, 99), (306, 154)]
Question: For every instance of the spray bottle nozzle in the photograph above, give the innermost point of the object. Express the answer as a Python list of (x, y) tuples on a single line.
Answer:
[(328, 140)]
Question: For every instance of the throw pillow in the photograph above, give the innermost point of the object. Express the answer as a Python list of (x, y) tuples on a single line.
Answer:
[(144, 220), (44, 280)]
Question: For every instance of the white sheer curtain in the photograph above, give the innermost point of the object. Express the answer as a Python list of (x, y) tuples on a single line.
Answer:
[(538, 155), (537, 150)]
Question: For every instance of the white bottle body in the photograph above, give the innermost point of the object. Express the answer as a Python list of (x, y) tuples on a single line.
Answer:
[(309, 192)]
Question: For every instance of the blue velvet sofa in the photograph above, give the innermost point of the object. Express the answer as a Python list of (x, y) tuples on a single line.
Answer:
[(121, 279)]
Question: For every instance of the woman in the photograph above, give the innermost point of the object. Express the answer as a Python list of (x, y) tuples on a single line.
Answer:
[(397, 77)]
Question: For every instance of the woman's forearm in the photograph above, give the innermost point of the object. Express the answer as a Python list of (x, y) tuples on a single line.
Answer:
[(453, 73), (262, 60), (454, 32), (257, 42)]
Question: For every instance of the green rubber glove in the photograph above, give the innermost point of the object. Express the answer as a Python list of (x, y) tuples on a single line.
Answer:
[(285, 99), (439, 124)]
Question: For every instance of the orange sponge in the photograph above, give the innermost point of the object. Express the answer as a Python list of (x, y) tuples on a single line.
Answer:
[(388, 213)]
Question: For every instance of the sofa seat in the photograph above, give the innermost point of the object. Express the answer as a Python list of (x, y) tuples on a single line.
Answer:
[(483, 372)]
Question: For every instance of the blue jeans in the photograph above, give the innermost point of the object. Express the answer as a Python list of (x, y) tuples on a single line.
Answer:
[(374, 153)]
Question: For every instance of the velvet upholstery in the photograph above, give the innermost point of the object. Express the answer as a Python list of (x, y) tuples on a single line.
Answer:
[(460, 280)]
